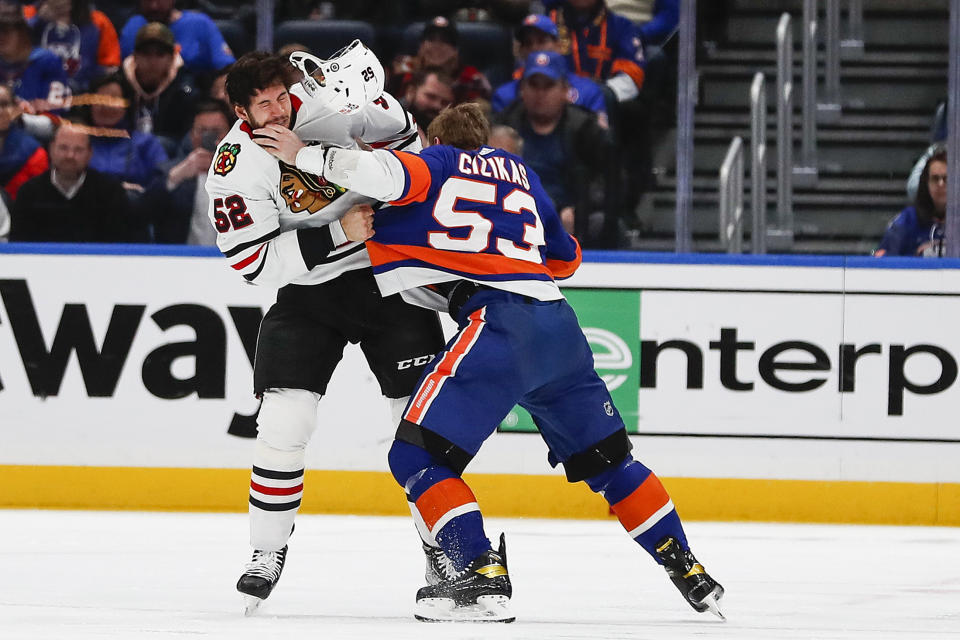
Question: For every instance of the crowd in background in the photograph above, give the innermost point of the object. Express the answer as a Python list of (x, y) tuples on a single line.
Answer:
[(590, 87)]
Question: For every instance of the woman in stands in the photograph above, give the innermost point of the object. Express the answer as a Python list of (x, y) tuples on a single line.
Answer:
[(918, 229), (118, 149)]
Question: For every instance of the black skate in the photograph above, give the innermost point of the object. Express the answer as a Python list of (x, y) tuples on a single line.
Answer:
[(439, 567), (260, 577), (479, 593), (700, 590)]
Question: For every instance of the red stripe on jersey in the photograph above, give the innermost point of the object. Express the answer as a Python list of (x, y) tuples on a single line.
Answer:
[(473, 263), (276, 491), (645, 501), (249, 259), (419, 178), (295, 102), (442, 498), (431, 385), (565, 268)]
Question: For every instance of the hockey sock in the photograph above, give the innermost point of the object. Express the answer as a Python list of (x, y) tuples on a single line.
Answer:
[(287, 420), (641, 504), (442, 503)]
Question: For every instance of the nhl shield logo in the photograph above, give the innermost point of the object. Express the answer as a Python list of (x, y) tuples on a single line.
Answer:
[(226, 158), (608, 408)]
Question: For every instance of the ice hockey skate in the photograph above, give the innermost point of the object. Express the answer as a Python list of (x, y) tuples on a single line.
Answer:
[(702, 592), (479, 593), (439, 567), (260, 577)]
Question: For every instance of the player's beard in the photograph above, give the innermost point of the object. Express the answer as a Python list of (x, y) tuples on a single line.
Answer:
[(283, 122)]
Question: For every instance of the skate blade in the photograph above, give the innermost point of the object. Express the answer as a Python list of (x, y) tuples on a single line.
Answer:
[(713, 605), (487, 609), (251, 605)]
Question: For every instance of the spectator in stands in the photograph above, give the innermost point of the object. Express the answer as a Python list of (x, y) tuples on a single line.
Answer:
[(429, 92), (201, 44), (5, 203), (21, 156), (539, 33), (918, 230), (37, 75), (119, 150), (83, 38), (506, 138), (71, 202), (176, 200), (218, 91), (567, 148), (438, 50), (657, 19), (600, 44), (162, 91)]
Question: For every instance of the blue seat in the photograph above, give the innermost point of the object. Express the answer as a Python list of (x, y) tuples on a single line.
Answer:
[(323, 37), (236, 35), (485, 45)]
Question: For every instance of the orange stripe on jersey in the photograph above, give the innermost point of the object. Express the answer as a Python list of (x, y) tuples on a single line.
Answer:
[(564, 268), (645, 501), (442, 498), (472, 263), (248, 259), (632, 69), (447, 367), (419, 175)]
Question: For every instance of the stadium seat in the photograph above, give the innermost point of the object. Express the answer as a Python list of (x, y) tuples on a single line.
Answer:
[(236, 35), (323, 37), (485, 45)]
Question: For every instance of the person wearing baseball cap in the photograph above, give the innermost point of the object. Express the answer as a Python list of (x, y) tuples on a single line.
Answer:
[(162, 89), (438, 50), (539, 33)]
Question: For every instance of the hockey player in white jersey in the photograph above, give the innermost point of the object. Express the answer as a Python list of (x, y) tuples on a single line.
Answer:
[(283, 228)]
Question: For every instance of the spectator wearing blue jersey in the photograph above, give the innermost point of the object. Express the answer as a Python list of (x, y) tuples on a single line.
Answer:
[(36, 75), (21, 156), (539, 33), (657, 19), (600, 44), (918, 230), (201, 44), (568, 149), (83, 38), (119, 150)]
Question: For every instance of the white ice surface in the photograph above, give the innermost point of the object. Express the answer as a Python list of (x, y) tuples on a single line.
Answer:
[(71, 575)]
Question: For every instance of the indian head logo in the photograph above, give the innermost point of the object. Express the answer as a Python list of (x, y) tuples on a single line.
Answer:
[(226, 158), (305, 192)]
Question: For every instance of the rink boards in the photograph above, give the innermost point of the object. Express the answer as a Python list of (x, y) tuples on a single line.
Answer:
[(795, 389)]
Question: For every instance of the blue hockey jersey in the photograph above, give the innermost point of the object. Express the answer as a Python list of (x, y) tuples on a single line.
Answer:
[(481, 215)]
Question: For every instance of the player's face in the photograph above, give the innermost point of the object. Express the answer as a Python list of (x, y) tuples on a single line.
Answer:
[(269, 106), (937, 182)]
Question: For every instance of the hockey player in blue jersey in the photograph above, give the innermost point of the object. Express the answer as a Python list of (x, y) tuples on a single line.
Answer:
[(473, 232)]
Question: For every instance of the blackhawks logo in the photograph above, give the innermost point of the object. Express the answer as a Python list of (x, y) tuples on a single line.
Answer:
[(226, 158), (305, 192)]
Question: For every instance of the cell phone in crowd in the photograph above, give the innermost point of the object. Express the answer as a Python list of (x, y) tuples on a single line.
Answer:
[(208, 140)]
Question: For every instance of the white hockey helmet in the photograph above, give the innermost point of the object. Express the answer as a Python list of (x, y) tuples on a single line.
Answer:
[(347, 82)]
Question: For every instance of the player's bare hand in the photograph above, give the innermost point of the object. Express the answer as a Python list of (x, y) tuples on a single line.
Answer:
[(281, 142), (357, 223)]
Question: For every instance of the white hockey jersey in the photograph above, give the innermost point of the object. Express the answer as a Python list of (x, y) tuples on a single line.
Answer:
[(279, 225)]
